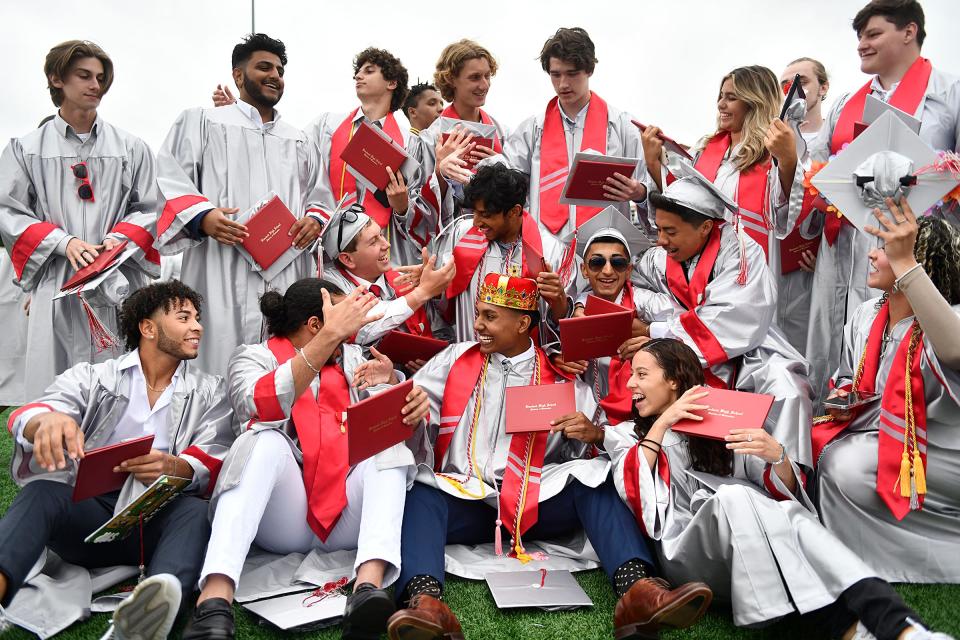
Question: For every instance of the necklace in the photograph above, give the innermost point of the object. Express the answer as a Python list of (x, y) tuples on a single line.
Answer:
[(160, 390)]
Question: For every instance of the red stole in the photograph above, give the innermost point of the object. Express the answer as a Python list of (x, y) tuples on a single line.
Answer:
[(618, 403), (470, 249), (342, 181), (520, 489), (320, 424), (690, 295), (555, 165), (892, 455), (751, 186), (633, 466), (451, 112)]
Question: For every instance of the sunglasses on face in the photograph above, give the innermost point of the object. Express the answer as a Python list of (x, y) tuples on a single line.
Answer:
[(80, 172), (619, 263)]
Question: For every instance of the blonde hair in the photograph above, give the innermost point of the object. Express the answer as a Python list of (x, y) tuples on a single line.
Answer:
[(818, 69), (61, 58), (451, 62), (759, 88)]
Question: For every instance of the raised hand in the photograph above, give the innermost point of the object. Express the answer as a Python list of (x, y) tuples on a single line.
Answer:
[(378, 370), (899, 235), (349, 315), (222, 96), (551, 290), (685, 407)]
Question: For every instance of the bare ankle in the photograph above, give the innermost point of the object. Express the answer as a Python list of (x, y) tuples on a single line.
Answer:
[(371, 571), (217, 585)]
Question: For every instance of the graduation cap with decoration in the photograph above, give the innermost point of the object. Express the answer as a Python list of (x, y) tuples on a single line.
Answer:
[(887, 160), (794, 111), (609, 223)]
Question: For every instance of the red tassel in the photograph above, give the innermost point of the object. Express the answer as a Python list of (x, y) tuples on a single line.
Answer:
[(565, 271), (99, 334), (498, 540)]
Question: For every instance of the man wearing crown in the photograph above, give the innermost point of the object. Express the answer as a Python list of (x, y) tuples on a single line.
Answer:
[(474, 479)]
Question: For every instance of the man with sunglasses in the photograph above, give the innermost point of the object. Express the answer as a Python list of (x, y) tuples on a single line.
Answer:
[(217, 163), (70, 189)]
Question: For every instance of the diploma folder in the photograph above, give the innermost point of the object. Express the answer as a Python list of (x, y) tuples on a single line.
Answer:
[(548, 589), (597, 334), (588, 174), (727, 410), (532, 407), (103, 261), (95, 474), (480, 141), (369, 153), (375, 424), (403, 347), (669, 144), (269, 230), (792, 248)]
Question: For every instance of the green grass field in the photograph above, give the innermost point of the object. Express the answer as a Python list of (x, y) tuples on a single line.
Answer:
[(939, 605)]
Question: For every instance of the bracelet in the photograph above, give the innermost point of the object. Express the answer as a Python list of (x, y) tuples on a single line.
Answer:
[(652, 442), (304, 356), (783, 455), (896, 283)]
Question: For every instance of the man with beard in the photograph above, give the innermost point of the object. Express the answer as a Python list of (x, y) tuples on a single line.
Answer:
[(150, 391), (216, 163)]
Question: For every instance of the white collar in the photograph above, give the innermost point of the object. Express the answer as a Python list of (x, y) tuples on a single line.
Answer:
[(66, 128), (381, 280), (132, 361), (581, 115), (523, 357), (359, 115), (876, 87), (254, 116)]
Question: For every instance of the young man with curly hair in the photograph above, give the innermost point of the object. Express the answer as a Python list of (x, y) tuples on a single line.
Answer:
[(217, 163), (576, 119), (150, 391)]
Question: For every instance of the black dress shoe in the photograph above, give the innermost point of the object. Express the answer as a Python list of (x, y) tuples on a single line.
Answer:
[(365, 616), (211, 620)]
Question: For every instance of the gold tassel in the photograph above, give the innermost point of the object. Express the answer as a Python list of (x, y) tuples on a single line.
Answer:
[(919, 475), (905, 475), (521, 553)]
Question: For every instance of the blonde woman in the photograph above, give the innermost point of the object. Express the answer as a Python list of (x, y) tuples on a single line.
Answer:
[(738, 156)]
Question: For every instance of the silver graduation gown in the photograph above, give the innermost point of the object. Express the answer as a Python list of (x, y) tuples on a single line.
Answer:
[(220, 158), (522, 152), (757, 545), (840, 279), (923, 546), (741, 318), (13, 340), (40, 210)]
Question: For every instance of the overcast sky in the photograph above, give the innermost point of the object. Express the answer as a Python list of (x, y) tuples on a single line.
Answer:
[(660, 60)]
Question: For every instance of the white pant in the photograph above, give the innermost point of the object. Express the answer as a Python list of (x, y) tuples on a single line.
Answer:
[(269, 506)]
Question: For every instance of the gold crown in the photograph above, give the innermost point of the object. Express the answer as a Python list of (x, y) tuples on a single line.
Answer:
[(510, 292)]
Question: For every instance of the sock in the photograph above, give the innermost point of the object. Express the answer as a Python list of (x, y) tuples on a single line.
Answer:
[(628, 573), (364, 586), (423, 584)]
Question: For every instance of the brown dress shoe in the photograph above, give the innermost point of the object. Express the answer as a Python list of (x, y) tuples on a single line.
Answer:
[(651, 605), (427, 619)]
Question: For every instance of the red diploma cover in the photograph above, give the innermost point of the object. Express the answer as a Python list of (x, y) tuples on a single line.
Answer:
[(403, 347), (792, 248), (370, 152), (480, 141), (375, 424), (95, 474), (104, 260), (587, 178), (859, 127), (669, 143), (728, 410), (532, 407), (269, 228), (599, 333)]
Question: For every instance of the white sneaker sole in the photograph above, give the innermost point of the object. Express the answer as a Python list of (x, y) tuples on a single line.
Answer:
[(149, 612)]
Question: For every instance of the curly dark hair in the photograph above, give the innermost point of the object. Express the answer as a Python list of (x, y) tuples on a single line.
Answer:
[(144, 302), (286, 313), (681, 365), (498, 187), (414, 94), (257, 42), (899, 12), (573, 46), (938, 251), (391, 68)]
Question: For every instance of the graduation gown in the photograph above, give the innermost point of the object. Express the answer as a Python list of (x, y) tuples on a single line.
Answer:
[(40, 211), (756, 544), (523, 147), (923, 546), (740, 317), (13, 341), (840, 280), (221, 158)]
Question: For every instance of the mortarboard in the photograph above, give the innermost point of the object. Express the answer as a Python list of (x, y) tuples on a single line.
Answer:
[(609, 222)]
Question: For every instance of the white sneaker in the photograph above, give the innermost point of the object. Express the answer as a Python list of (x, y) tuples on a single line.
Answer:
[(921, 633), (149, 612), (4, 623)]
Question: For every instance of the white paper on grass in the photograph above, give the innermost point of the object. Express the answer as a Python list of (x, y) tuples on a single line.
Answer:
[(888, 133)]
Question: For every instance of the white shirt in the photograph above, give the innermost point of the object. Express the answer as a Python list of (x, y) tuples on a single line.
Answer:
[(531, 351), (395, 310), (254, 116)]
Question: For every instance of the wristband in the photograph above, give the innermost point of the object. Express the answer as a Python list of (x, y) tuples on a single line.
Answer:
[(783, 455)]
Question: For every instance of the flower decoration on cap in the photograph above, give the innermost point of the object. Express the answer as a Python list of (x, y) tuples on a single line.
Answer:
[(510, 292)]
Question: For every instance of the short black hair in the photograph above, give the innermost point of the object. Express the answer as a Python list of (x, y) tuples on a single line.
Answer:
[(144, 302), (391, 68), (286, 313), (257, 42), (688, 215), (573, 46), (414, 95), (899, 12), (610, 240), (498, 187)]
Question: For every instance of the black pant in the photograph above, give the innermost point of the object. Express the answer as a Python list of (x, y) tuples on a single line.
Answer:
[(871, 601), (44, 515)]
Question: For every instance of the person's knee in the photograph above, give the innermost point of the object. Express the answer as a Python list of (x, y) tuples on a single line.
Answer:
[(191, 514)]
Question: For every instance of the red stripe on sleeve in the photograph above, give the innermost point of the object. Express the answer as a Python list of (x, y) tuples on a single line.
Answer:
[(16, 414), (141, 237), (770, 486), (212, 464), (265, 399), (631, 482), (173, 208), (27, 243)]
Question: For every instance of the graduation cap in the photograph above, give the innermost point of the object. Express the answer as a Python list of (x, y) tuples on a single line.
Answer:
[(344, 225), (693, 190), (551, 590), (887, 160), (609, 223)]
